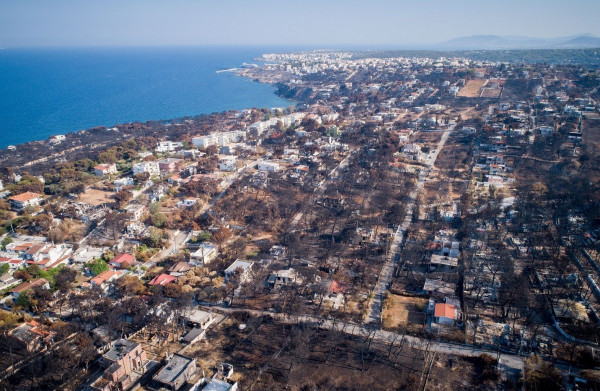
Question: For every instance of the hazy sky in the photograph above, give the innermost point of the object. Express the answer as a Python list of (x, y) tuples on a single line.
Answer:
[(281, 22)]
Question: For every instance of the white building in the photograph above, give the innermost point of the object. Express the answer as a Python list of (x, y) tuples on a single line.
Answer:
[(187, 202), (168, 146), (228, 163), (146, 167), (219, 139), (122, 182), (105, 169), (243, 266), (268, 166), (135, 212), (205, 254)]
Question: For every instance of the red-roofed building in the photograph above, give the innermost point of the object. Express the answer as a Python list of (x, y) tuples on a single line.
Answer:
[(162, 280), (40, 282), (123, 261), (14, 264), (445, 314), (23, 200), (103, 279), (105, 169)]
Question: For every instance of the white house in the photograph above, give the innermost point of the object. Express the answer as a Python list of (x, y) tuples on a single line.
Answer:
[(205, 254), (219, 139), (105, 169), (168, 146), (135, 212), (284, 277), (445, 314), (243, 266), (57, 139), (146, 167), (23, 200), (268, 166), (122, 182), (187, 202), (227, 163)]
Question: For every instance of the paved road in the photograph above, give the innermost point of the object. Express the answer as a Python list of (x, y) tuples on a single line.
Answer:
[(385, 276), (509, 363)]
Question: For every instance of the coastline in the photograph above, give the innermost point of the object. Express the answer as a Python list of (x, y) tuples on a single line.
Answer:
[(37, 156), (104, 87)]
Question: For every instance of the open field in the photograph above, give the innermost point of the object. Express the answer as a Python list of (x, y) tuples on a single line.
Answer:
[(591, 132), (403, 310), (471, 90), (96, 197), (491, 92)]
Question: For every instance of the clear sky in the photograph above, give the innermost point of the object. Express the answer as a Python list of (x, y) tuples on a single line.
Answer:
[(284, 22)]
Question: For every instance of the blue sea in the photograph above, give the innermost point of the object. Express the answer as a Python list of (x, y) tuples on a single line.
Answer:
[(56, 91)]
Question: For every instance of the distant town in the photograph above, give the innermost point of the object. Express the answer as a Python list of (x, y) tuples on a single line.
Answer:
[(407, 223)]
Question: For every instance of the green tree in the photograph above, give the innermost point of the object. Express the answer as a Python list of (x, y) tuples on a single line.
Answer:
[(203, 236), (4, 268), (158, 219), (25, 299), (98, 266), (6, 241)]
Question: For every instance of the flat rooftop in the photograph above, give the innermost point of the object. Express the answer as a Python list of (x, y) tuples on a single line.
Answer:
[(177, 365), (444, 260), (120, 349), (217, 385)]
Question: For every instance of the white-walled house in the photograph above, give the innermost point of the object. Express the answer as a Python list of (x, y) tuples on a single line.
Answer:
[(228, 163), (243, 266), (268, 166), (146, 167), (23, 200), (205, 254), (105, 169)]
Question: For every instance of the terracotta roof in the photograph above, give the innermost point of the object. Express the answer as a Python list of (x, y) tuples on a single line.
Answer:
[(103, 167), (35, 248), (103, 277), (24, 197), (163, 279), (23, 246), (57, 262), (29, 285), (123, 258), (445, 310)]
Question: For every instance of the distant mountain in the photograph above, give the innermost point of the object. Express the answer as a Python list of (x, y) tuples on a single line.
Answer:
[(496, 42), (584, 41)]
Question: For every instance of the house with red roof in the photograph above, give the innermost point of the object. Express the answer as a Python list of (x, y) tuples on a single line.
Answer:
[(105, 169), (23, 200), (13, 264), (40, 282), (445, 314), (123, 261), (162, 280), (104, 279)]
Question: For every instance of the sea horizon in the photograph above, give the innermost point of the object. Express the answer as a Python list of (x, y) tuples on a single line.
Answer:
[(49, 91)]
